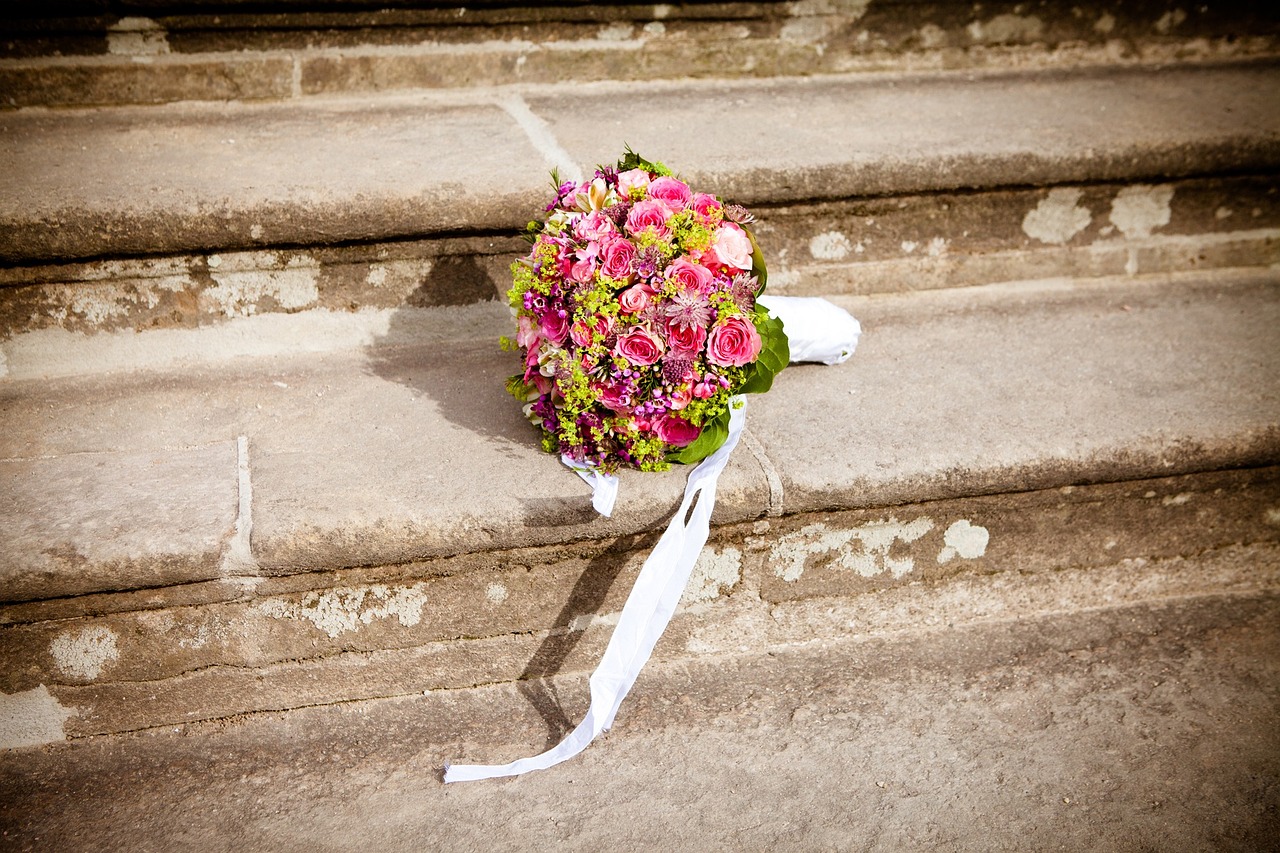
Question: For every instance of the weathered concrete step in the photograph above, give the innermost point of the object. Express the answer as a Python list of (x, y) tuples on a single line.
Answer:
[(348, 458), (197, 178), (1108, 729), (159, 568), (872, 245), (291, 52)]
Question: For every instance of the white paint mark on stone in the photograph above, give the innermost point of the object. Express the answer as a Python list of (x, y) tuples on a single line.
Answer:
[(1273, 515), (542, 137), (662, 10), (1140, 209), (932, 36), (346, 609), (31, 718), (86, 653), (496, 593), (871, 556), (255, 231), (1058, 217), (715, 572), (377, 275), (1105, 24), (4, 363), (238, 558), (937, 247), (965, 540), (1176, 500), (237, 293), (615, 32), (1006, 29), (214, 261), (136, 37), (909, 246), (1223, 213), (654, 29), (830, 246), (1170, 20)]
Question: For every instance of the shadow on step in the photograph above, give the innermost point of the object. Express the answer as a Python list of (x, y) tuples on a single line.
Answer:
[(585, 600)]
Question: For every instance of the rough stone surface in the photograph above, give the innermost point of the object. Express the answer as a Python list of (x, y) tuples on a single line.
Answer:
[(320, 171), (291, 52), (127, 181), (1121, 728), (90, 521), (1092, 380), (408, 451), (897, 243)]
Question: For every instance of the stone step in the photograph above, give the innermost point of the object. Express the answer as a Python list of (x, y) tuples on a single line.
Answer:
[(156, 52), (1114, 728), (182, 216), (270, 533)]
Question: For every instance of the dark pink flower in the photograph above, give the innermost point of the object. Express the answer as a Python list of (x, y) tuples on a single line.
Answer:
[(640, 346), (686, 339), (672, 191), (616, 259), (649, 214), (733, 343), (691, 276), (675, 430)]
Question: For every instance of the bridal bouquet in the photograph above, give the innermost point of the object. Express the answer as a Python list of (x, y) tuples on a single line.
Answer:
[(638, 321)]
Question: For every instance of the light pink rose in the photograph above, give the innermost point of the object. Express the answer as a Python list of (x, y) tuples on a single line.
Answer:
[(732, 246), (649, 214), (675, 430), (616, 258), (640, 346), (528, 333), (632, 179), (554, 327), (675, 193), (635, 299), (733, 343), (594, 226), (686, 339), (679, 398), (691, 276), (583, 271)]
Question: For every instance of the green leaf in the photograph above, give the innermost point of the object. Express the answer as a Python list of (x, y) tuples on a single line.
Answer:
[(758, 268), (714, 433), (775, 354)]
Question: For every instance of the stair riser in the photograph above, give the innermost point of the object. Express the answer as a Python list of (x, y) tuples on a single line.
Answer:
[(860, 246), (266, 57), (135, 660)]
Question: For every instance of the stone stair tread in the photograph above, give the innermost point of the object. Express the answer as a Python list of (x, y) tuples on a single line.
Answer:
[(390, 454), (111, 182)]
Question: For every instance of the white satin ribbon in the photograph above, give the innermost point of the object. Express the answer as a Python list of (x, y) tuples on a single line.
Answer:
[(816, 329), (604, 487), (644, 617)]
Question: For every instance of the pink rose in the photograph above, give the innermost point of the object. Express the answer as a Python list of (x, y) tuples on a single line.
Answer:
[(528, 333), (640, 346), (616, 259), (732, 246), (691, 276), (635, 299), (649, 214), (632, 179), (581, 333), (675, 193), (680, 398), (555, 327), (687, 339), (733, 343), (593, 226), (583, 271), (614, 396), (675, 430), (704, 204)]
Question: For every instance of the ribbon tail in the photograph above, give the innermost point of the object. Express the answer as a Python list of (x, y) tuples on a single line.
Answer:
[(648, 610)]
